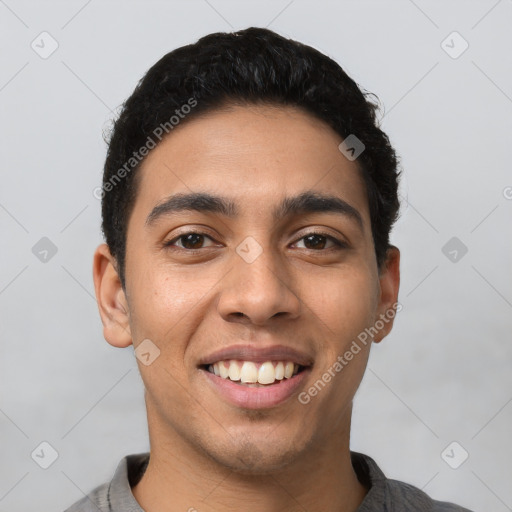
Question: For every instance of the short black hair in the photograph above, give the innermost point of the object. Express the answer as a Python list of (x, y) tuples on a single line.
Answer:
[(254, 65)]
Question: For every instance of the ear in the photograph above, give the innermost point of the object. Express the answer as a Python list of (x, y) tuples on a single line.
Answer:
[(111, 299), (389, 279)]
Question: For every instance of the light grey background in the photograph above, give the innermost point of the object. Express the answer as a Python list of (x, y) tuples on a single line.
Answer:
[(443, 375)]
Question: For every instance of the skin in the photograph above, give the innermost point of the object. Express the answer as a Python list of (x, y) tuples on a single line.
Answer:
[(205, 452)]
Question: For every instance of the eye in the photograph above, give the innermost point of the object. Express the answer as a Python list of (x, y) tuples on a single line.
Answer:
[(318, 242), (190, 241), (193, 240)]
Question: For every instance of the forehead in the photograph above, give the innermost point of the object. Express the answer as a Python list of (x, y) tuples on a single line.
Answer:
[(256, 155)]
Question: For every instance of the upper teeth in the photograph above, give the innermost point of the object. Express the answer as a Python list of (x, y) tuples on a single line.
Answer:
[(248, 371)]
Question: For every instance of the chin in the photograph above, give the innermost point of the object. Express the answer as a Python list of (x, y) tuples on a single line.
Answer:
[(256, 457)]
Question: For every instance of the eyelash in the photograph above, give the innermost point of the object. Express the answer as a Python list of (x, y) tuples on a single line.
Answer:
[(339, 245)]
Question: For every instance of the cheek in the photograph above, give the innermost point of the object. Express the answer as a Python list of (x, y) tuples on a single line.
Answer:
[(165, 307), (345, 302), (163, 294), (168, 305), (157, 302), (344, 305)]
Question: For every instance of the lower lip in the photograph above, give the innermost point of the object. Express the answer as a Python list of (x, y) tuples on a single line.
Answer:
[(256, 397)]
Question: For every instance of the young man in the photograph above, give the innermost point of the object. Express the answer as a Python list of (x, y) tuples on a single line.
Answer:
[(247, 201)]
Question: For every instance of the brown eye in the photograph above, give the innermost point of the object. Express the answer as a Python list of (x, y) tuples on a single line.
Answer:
[(318, 242), (315, 241), (190, 241)]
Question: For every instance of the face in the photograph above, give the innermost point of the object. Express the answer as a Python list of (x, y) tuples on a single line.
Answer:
[(249, 250)]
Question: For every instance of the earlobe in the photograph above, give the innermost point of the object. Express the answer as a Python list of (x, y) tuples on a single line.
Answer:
[(112, 303), (389, 279)]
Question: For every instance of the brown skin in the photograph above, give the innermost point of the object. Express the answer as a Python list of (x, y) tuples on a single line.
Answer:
[(205, 452)]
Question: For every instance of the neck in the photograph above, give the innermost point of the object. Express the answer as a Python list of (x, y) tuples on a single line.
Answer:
[(181, 478)]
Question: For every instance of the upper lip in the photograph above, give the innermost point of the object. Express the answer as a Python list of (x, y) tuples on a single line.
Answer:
[(258, 354)]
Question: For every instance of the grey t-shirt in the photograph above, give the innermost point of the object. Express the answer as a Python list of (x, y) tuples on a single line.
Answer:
[(385, 495)]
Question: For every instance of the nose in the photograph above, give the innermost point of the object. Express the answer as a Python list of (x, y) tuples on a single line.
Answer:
[(258, 291)]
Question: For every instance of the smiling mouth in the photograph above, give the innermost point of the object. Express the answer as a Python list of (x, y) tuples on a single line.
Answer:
[(251, 374)]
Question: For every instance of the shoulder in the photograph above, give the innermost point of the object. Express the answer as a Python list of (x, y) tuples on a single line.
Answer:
[(406, 497), (387, 495), (96, 500), (116, 495)]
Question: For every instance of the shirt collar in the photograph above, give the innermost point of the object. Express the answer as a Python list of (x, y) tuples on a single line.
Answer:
[(132, 467), (128, 473)]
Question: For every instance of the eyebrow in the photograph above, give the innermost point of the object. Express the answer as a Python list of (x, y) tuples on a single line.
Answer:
[(306, 202)]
